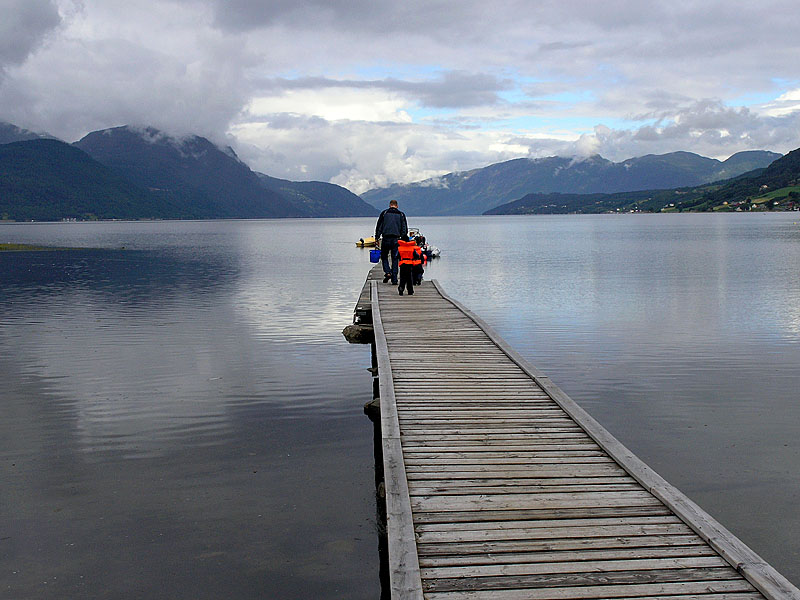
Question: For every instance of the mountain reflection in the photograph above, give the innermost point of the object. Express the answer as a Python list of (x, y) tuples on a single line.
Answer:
[(130, 276)]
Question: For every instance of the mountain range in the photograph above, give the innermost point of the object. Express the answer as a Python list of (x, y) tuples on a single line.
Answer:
[(777, 185), (129, 173), (142, 173), (476, 191)]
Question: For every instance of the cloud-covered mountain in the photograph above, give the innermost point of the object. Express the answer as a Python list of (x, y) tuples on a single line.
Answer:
[(189, 172), (479, 190), (128, 173), (194, 172), (11, 133)]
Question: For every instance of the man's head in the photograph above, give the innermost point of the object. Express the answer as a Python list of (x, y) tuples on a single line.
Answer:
[(392, 203)]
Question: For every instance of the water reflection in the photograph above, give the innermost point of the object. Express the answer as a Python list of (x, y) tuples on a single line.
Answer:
[(108, 334)]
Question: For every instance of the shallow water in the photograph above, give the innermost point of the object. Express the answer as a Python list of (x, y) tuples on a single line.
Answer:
[(183, 419)]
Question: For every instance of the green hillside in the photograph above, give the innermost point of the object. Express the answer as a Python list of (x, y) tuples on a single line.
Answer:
[(778, 182), (45, 179), (320, 199)]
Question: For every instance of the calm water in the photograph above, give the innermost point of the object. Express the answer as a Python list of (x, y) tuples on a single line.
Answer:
[(182, 418)]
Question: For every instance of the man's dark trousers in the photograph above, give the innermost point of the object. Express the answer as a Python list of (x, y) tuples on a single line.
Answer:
[(389, 246)]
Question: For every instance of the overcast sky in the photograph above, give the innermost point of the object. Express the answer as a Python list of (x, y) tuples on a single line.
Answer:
[(364, 92)]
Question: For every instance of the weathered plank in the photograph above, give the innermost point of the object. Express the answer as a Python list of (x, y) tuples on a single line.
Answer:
[(477, 465), (448, 490), (593, 566), (541, 473), (546, 533), (523, 558), (545, 500), (548, 523), (555, 513), (573, 512), (625, 590), (575, 545)]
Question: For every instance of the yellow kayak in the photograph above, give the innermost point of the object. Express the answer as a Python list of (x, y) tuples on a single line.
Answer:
[(366, 242)]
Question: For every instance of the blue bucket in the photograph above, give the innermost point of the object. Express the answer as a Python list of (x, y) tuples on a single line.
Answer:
[(374, 255)]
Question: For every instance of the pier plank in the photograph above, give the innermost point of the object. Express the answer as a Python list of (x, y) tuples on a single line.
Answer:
[(595, 566), (539, 558), (569, 513), (597, 592)]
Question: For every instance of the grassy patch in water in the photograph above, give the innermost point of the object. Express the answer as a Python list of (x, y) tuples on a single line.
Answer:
[(9, 247)]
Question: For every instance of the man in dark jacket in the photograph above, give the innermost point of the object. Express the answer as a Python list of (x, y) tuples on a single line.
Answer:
[(391, 227)]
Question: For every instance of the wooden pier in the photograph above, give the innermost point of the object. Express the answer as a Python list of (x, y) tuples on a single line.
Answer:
[(498, 486)]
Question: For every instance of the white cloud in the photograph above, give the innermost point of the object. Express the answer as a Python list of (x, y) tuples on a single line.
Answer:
[(783, 105), (361, 154), (341, 104), (587, 145)]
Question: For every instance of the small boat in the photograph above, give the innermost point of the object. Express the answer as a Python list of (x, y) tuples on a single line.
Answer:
[(431, 251), (367, 242), (428, 250)]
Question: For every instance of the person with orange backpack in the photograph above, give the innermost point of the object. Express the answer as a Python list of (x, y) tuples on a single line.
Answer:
[(409, 257)]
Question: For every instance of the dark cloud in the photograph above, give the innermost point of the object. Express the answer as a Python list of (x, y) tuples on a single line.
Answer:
[(243, 15), (459, 89), (452, 89), (553, 47), (87, 85), (23, 26), (351, 16)]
